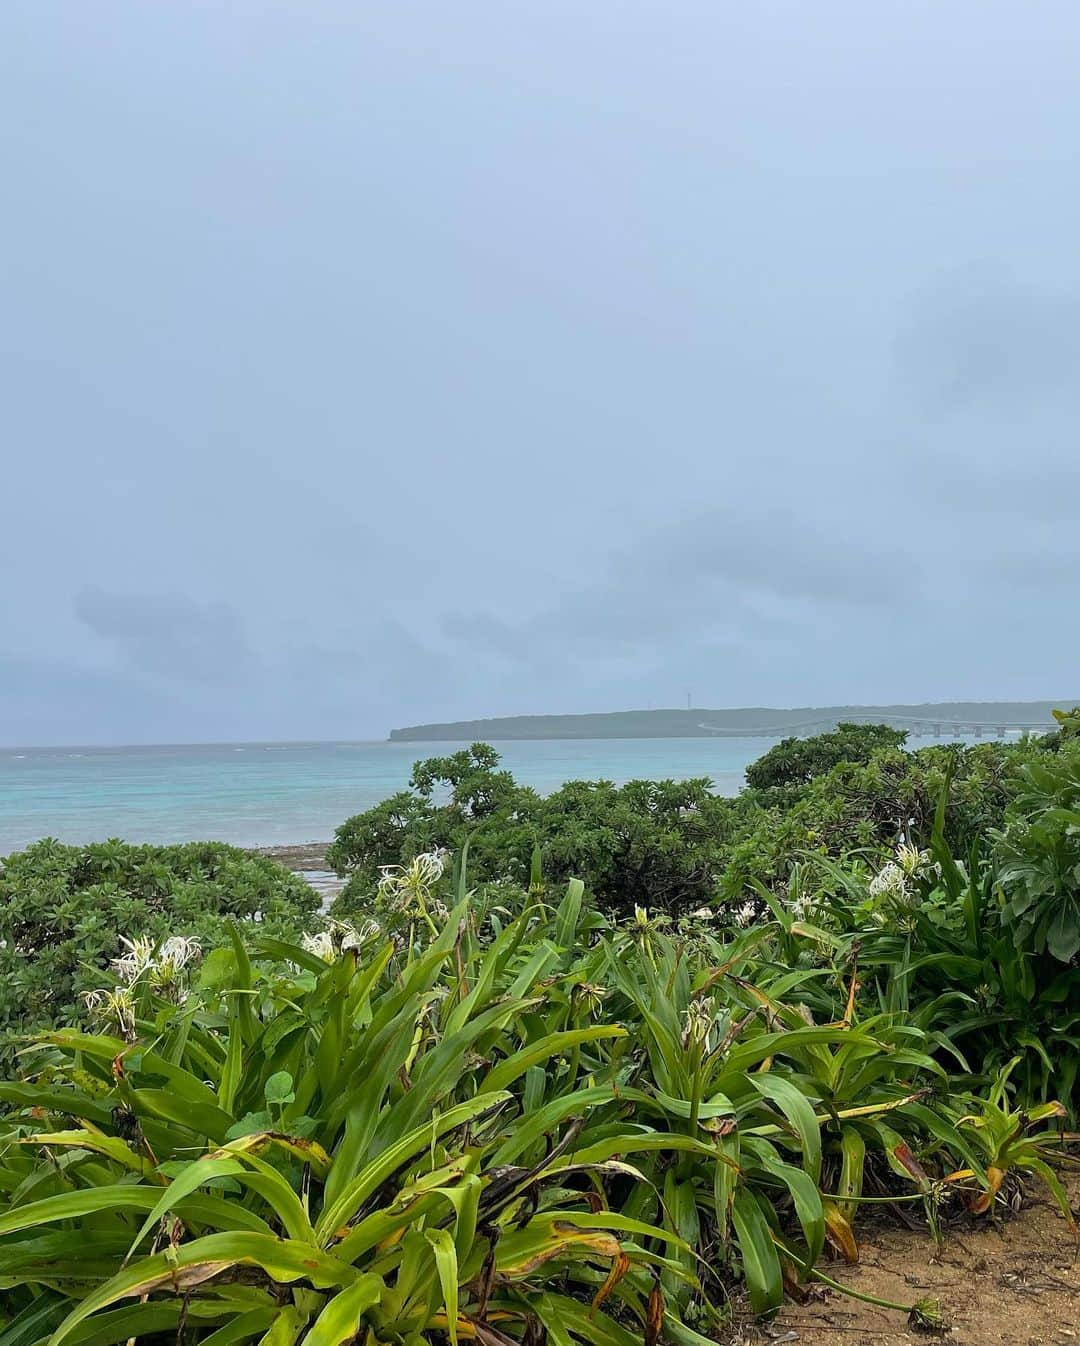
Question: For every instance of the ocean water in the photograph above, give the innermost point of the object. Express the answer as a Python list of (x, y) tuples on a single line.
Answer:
[(264, 794)]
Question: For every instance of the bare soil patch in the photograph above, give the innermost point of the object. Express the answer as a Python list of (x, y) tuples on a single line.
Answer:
[(1010, 1283)]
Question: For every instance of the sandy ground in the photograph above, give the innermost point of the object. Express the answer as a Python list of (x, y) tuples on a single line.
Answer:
[(1016, 1283)]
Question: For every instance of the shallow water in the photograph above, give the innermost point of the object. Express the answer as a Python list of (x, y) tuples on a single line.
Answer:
[(262, 794)]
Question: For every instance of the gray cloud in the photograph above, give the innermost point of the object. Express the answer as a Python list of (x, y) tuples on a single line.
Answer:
[(548, 364), (169, 635), (982, 338), (723, 577)]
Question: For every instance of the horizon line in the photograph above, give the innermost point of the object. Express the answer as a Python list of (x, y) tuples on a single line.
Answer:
[(488, 719)]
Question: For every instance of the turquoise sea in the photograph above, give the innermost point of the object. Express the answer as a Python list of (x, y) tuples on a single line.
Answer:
[(263, 794)]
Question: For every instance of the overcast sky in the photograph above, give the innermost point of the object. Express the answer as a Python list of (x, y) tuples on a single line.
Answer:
[(368, 363)]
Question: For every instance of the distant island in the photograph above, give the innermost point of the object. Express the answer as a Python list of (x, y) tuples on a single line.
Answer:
[(941, 718)]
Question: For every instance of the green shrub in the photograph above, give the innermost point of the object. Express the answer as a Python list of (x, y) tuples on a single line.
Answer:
[(66, 910), (674, 845), (654, 843), (1038, 856), (797, 761), (450, 800), (867, 805), (936, 939)]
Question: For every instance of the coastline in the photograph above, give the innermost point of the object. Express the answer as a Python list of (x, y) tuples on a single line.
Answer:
[(307, 860), (300, 858)]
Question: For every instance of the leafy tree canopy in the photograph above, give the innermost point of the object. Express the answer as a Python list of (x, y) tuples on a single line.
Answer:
[(796, 761)]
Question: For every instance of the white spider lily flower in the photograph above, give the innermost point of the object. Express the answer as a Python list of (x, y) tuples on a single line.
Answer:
[(910, 859), (742, 916), (165, 970), (891, 882), (160, 967), (173, 956), (179, 950), (888, 882), (321, 945), (130, 966), (408, 886), (349, 938), (802, 907), (115, 1005)]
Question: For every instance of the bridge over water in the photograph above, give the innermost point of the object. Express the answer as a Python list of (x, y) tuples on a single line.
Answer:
[(917, 726)]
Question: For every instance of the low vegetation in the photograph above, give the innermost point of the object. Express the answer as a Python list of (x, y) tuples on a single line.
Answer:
[(675, 846), (67, 912), (488, 1102)]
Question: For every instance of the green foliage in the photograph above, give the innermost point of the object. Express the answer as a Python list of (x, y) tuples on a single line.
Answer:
[(1038, 855), (937, 940), (797, 761), (491, 1115), (450, 800), (676, 846), (867, 805), (1011, 1140), (505, 1136), (658, 843), (64, 911)]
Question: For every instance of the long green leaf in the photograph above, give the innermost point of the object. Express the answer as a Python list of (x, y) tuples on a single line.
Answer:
[(761, 1265), (336, 1213), (340, 1320), (446, 1263), (283, 1260), (797, 1109)]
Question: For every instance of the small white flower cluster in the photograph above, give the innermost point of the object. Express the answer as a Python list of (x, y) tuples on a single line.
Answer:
[(321, 944), (893, 881), (159, 965), (144, 963), (802, 906), (339, 937), (409, 887), (117, 1005), (744, 915), (889, 882), (910, 859)]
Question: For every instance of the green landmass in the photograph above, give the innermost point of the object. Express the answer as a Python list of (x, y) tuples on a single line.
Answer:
[(751, 721)]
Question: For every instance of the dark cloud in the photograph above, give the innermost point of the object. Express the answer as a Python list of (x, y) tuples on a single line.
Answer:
[(723, 578), (169, 635), (981, 338)]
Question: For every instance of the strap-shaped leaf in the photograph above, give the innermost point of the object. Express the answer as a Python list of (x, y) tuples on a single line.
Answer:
[(761, 1264), (191, 1264), (340, 1320)]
